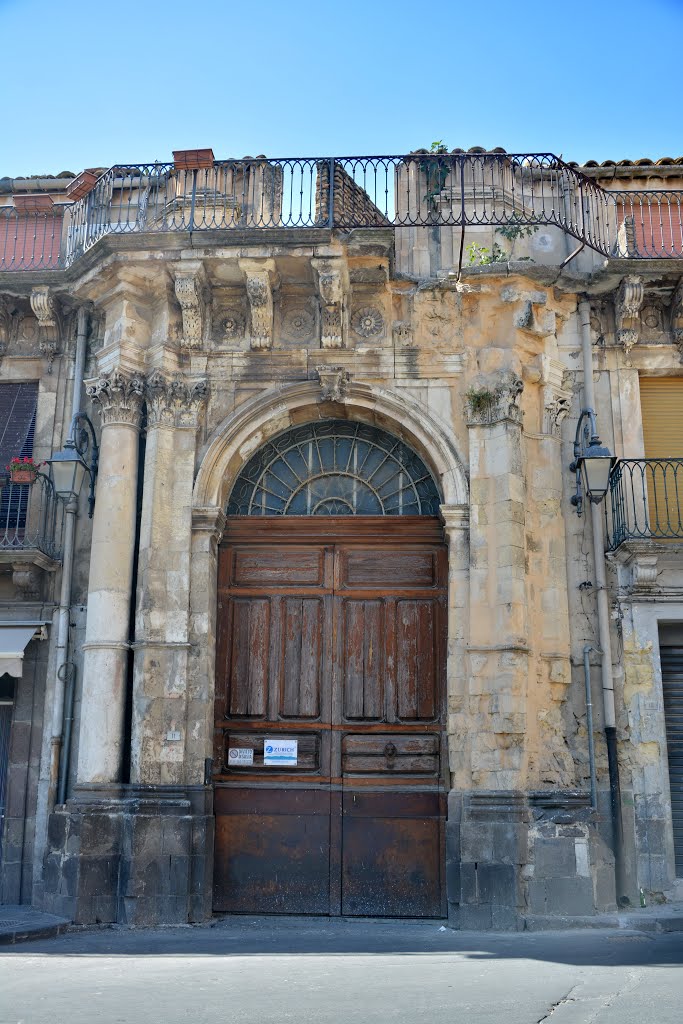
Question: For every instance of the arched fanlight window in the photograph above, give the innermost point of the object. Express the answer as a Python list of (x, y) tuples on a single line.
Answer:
[(335, 468)]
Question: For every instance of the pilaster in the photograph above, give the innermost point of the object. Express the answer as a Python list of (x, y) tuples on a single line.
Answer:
[(160, 725)]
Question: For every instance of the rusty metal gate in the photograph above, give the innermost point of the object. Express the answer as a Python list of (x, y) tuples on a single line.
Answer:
[(331, 633)]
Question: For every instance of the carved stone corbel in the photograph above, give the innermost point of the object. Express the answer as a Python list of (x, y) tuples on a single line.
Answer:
[(192, 293), (334, 381), (5, 325), (27, 581), (261, 279), (332, 287), (48, 315), (677, 318), (628, 304), (494, 398), (557, 383), (174, 401)]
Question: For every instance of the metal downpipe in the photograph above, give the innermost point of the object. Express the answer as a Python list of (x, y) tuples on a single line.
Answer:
[(589, 725), (59, 756), (605, 651)]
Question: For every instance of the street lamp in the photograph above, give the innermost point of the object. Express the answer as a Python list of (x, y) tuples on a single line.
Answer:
[(593, 462), (68, 468)]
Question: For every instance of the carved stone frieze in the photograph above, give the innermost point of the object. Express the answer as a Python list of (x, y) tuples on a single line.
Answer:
[(494, 398), (191, 289), (174, 401), (119, 396), (628, 304), (677, 318), (260, 279), (332, 286), (334, 382)]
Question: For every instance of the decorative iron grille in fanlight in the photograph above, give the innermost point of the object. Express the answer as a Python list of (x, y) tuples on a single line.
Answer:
[(335, 468)]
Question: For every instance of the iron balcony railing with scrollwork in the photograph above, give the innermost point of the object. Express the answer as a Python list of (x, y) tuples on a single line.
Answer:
[(421, 190), (645, 501), (30, 518)]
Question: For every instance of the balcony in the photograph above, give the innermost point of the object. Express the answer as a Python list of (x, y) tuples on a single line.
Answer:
[(30, 524), (645, 501), (420, 190)]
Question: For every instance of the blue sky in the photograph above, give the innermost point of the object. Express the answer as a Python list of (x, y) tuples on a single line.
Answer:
[(98, 84)]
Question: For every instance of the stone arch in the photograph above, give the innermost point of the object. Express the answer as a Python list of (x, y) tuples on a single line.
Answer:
[(236, 439)]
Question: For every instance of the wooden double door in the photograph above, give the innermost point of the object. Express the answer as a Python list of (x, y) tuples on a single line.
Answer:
[(331, 633)]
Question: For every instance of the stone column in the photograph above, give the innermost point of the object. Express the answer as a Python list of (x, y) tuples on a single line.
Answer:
[(119, 396), (159, 727)]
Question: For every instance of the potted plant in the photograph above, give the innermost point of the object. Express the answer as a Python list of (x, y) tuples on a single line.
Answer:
[(22, 470)]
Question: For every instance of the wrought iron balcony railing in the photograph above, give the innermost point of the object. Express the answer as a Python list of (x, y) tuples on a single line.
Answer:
[(645, 501), (420, 190), (30, 519)]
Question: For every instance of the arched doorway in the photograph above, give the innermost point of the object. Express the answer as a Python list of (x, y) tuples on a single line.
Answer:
[(330, 667)]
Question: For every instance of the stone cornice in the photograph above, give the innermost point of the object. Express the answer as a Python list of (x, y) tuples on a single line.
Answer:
[(210, 519)]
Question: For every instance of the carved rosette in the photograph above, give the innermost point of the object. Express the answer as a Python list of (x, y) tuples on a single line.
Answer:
[(259, 280), (174, 401), (191, 290), (495, 399), (368, 322), (334, 381), (298, 323), (232, 324), (119, 396), (628, 305), (331, 289), (677, 318)]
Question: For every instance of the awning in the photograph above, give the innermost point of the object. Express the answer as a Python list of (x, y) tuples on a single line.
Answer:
[(14, 636)]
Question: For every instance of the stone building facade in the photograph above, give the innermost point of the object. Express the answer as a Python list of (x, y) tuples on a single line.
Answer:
[(198, 350)]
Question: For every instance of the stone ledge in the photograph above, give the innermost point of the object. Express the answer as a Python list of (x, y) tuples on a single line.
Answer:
[(24, 924)]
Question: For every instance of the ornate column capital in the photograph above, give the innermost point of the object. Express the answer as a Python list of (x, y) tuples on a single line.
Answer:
[(557, 383), (260, 278), (628, 304), (192, 293), (119, 396), (174, 401), (493, 399), (332, 287)]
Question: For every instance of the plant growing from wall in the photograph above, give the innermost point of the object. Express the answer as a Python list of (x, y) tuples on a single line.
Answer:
[(482, 256), (435, 171), (482, 400)]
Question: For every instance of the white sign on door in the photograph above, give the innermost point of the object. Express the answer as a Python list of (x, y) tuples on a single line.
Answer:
[(280, 752), (238, 756)]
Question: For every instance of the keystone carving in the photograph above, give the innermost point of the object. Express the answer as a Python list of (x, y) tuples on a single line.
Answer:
[(260, 275), (334, 381), (119, 396), (332, 286), (494, 399), (628, 305), (677, 318), (174, 401), (191, 289), (47, 314)]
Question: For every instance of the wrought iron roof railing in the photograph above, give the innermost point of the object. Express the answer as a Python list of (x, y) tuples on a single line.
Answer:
[(421, 190), (645, 501)]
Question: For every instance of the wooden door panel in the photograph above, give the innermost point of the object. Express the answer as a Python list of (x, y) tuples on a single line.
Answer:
[(249, 661), (386, 569), (362, 668), (302, 636), (390, 754), (417, 682)]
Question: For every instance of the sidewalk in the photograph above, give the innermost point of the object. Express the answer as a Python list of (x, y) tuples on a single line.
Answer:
[(22, 924)]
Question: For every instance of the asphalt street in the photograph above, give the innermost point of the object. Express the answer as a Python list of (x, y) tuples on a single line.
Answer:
[(281, 970)]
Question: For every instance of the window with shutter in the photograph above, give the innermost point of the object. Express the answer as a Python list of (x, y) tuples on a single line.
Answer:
[(18, 403), (661, 400)]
